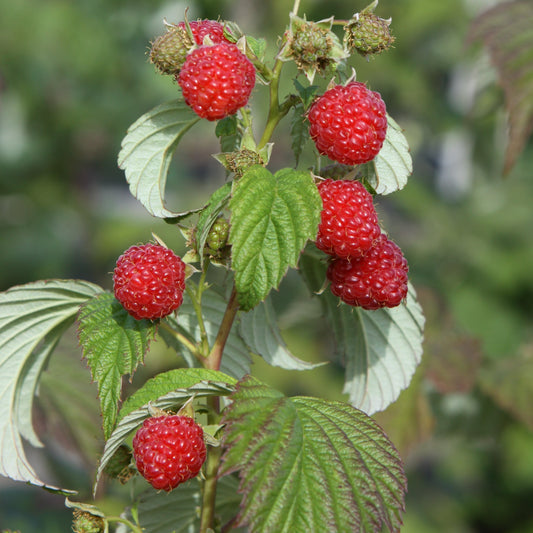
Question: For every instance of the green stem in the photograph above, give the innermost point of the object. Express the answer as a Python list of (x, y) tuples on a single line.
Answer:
[(210, 488), (182, 339), (196, 299), (215, 356), (126, 522)]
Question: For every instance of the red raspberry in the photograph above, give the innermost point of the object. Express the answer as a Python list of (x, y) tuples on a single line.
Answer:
[(348, 123), (348, 222), (149, 281), (169, 450), (217, 80), (203, 28), (379, 279)]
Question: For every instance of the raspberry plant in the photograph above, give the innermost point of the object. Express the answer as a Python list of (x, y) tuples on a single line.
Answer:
[(272, 463)]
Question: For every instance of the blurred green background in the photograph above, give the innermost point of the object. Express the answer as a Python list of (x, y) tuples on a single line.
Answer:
[(74, 75)]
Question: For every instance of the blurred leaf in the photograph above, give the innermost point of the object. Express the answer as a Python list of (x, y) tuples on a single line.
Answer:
[(380, 349), (180, 378), (237, 360), (32, 319), (260, 331), (299, 131), (176, 511), (308, 464), (393, 165), (147, 151), (409, 421), (272, 218), (114, 343), (171, 401), (509, 382), (507, 34)]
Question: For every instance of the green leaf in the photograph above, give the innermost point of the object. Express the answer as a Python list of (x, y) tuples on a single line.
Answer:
[(113, 343), (236, 361), (508, 37), (217, 202), (308, 464), (393, 165), (272, 218), (32, 319), (299, 131), (180, 378), (169, 401), (380, 349), (147, 151), (260, 331), (227, 130), (158, 512)]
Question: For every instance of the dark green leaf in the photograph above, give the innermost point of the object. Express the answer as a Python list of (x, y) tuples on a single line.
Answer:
[(273, 216), (227, 130), (114, 343), (299, 131), (312, 465)]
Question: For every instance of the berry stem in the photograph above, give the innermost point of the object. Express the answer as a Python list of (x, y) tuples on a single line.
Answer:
[(196, 300), (215, 356), (124, 521), (182, 339)]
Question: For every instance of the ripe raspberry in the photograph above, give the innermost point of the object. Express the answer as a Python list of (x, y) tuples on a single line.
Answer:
[(348, 222), (379, 279), (149, 281), (348, 123), (217, 80), (169, 450), (204, 28)]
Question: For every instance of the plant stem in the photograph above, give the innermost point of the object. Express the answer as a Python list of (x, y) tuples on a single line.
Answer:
[(295, 7), (132, 526), (182, 339), (209, 488), (215, 356)]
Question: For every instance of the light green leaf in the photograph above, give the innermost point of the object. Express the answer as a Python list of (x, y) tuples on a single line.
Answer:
[(380, 349), (506, 32), (273, 216), (393, 165), (312, 465), (32, 319), (147, 151), (260, 331), (180, 378), (176, 511), (114, 343), (170, 401), (237, 360)]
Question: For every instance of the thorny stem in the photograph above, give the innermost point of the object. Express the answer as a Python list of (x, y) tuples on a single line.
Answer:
[(215, 356)]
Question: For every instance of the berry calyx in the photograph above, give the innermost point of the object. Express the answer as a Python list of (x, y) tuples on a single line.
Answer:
[(349, 224), (216, 81), (149, 281), (379, 279), (348, 123), (169, 450)]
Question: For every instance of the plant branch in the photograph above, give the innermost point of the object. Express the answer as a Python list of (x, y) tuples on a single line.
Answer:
[(126, 522), (209, 489), (215, 356), (182, 339)]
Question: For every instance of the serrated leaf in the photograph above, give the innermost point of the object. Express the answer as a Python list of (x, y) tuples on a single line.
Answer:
[(299, 131), (147, 151), (236, 361), (180, 378), (508, 37), (509, 382), (260, 331), (176, 511), (380, 349), (32, 319), (113, 343), (217, 202), (393, 165), (273, 216), (170, 401), (308, 464)]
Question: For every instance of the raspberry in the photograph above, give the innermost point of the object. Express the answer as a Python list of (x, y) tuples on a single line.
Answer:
[(204, 28), (217, 80), (369, 34), (169, 450), (348, 123), (379, 279), (348, 222), (149, 281)]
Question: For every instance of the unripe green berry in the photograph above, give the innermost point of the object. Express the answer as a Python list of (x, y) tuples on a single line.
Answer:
[(218, 236), (84, 522), (240, 160), (368, 34), (169, 50)]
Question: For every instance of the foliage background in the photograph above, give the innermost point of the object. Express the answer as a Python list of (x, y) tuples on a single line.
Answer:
[(74, 76)]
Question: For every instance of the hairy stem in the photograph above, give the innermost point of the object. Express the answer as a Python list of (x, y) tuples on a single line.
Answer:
[(215, 356)]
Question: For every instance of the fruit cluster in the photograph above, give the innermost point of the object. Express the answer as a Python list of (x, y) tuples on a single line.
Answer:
[(215, 77)]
